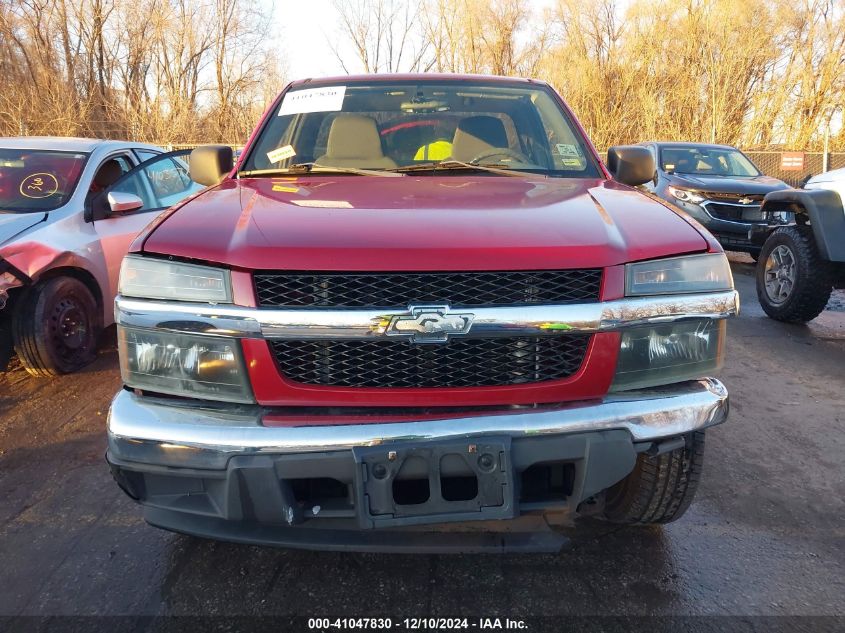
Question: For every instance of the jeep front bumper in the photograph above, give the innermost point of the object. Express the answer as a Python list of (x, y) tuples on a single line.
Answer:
[(222, 472)]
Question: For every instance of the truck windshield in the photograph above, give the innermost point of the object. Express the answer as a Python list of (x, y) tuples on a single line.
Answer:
[(706, 161), (37, 180), (445, 127)]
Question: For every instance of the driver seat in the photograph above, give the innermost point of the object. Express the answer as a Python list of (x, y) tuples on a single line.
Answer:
[(106, 175), (477, 134)]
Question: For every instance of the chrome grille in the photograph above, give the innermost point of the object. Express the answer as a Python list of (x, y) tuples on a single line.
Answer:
[(734, 198)]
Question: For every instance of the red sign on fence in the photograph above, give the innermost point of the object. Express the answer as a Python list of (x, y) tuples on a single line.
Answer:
[(792, 161)]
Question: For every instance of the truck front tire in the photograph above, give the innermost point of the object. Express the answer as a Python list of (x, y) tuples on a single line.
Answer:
[(794, 281), (56, 326), (660, 488)]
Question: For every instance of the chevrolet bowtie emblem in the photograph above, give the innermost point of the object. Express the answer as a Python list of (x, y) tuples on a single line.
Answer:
[(429, 324), (745, 200)]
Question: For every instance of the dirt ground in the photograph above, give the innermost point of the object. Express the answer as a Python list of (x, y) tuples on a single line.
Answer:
[(764, 537)]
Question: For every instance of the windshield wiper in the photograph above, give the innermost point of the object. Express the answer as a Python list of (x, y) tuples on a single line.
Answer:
[(448, 165), (310, 168)]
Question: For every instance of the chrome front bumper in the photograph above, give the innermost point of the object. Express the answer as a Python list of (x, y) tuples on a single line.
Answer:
[(165, 432)]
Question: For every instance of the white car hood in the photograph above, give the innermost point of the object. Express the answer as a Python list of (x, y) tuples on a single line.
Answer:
[(835, 175), (12, 224)]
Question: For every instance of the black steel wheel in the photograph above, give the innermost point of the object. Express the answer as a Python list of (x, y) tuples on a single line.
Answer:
[(56, 326)]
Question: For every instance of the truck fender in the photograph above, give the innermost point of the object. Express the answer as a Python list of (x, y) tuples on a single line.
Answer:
[(822, 209)]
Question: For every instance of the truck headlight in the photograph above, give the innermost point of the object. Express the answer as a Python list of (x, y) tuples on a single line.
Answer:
[(663, 354), (710, 272), (685, 195), (183, 364), (150, 278)]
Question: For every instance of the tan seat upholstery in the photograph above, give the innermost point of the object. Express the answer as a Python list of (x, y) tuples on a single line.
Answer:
[(354, 141), (477, 134)]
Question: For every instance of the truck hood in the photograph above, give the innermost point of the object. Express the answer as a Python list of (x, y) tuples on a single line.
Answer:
[(422, 223), (12, 224), (727, 184)]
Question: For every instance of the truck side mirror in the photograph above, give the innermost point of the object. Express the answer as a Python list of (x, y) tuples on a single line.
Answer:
[(631, 164), (209, 164)]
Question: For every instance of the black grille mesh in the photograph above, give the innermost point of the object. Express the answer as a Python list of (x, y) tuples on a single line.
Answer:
[(357, 290), (749, 213), (458, 363)]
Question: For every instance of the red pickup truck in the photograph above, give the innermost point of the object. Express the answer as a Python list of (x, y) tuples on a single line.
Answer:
[(418, 314)]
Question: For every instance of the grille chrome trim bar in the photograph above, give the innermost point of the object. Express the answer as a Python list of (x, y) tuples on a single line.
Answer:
[(505, 321)]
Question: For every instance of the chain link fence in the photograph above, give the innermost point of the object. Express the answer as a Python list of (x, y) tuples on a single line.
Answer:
[(770, 164)]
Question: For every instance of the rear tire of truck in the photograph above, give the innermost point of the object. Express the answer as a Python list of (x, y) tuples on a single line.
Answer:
[(660, 488), (794, 281), (56, 326)]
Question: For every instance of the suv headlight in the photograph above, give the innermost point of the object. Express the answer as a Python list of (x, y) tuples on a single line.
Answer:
[(149, 278), (676, 275), (189, 365), (685, 195)]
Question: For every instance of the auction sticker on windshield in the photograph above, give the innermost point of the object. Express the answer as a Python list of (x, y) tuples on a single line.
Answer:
[(328, 99), (565, 149), (281, 153)]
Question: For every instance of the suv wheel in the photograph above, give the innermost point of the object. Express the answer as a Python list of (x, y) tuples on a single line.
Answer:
[(660, 488), (794, 282), (56, 326)]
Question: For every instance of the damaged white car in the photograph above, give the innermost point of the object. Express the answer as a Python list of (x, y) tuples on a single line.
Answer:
[(69, 208)]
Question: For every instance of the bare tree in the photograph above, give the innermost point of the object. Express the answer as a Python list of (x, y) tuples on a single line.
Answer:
[(382, 33), (165, 70), (191, 70)]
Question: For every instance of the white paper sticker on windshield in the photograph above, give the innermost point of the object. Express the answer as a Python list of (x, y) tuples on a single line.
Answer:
[(281, 153), (565, 149), (313, 100)]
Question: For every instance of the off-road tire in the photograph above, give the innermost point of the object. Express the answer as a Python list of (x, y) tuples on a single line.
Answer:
[(56, 326), (660, 488), (814, 276)]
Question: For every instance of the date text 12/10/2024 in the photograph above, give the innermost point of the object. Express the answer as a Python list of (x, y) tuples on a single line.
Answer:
[(415, 624)]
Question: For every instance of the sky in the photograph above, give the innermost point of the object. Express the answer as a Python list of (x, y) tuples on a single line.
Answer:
[(305, 27)]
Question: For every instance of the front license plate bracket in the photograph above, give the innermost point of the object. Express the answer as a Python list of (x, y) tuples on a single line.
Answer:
[(383, 471)]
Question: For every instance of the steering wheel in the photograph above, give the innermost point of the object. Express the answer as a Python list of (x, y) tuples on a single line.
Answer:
[(499, 151)]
